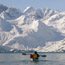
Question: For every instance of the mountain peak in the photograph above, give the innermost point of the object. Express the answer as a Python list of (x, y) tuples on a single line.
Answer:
[(11, 13), (28, 9), (3, 8)]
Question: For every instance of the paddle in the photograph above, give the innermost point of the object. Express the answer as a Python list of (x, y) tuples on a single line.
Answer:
[(43, 55), (24, 54), (39, 55)]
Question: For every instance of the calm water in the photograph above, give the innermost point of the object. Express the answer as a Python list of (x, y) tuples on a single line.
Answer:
[(19, 59)]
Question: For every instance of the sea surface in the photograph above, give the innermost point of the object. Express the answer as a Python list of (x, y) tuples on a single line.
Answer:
[(19, 59)]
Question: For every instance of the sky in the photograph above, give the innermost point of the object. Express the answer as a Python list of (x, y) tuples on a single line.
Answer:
[(22, 4)]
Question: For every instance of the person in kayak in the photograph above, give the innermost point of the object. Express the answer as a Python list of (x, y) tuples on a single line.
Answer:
[(34, 56)]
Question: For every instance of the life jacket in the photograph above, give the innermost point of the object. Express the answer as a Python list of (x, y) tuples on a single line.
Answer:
[(34, 56)]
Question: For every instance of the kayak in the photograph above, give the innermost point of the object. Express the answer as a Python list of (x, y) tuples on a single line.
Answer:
[(35, 60)]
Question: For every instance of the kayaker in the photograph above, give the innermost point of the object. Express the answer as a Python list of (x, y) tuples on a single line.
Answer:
[(34, 56)]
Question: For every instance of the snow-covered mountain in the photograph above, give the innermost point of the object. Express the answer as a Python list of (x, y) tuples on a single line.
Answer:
[(11, 13), (58, 46), (38, 29), (57, 21)]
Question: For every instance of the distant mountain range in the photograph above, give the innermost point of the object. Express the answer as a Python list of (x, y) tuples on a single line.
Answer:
[(33, 29)]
